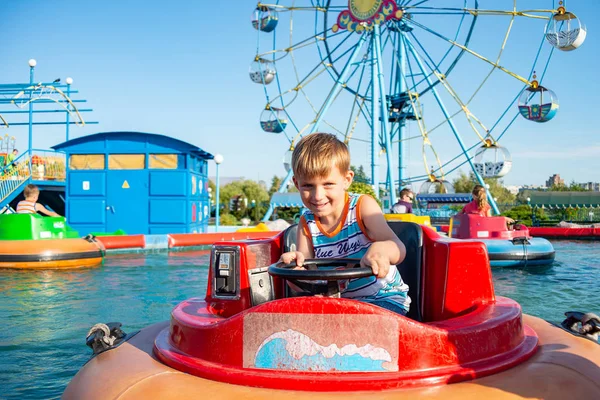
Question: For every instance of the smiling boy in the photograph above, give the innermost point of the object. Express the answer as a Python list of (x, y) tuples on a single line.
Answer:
[(339, 224)]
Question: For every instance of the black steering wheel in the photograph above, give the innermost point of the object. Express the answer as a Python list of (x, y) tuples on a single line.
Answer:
[(319, 269), (326, 270)]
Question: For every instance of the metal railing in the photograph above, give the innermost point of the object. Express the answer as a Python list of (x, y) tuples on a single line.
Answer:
[(14, 175), (48, 166), (39, 165)]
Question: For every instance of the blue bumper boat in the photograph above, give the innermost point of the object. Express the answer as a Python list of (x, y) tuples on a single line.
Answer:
[(512, 248)]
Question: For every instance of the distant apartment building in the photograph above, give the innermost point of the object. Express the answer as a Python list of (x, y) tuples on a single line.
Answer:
[(555, 180), (532, 187), (593, 186)]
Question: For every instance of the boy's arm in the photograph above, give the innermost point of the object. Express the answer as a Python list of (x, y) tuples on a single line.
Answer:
[(44, 210), (304, 248), (304, 240), (386, 248)]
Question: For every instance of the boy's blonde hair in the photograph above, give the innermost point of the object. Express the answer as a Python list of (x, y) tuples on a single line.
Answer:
[(30, 190), (317, 154)]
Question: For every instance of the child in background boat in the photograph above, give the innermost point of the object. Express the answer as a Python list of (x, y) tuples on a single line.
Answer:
[(339, 224), (480, 206), (30, 204)]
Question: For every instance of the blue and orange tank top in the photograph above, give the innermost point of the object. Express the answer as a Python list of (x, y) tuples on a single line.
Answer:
[(26, 207), (350, 240)]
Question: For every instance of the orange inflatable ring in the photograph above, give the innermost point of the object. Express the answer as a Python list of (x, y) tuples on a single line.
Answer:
[(51, 253)]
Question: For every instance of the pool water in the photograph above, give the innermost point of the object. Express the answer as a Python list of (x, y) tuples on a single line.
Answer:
[(47, 314), (570, 284)]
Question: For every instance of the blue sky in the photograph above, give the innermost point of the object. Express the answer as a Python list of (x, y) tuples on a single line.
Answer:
[(182, 70)]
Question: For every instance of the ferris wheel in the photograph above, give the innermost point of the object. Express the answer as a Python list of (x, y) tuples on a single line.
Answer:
[(437, 81)]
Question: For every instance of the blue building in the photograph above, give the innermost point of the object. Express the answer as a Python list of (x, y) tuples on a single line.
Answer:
[(141, 183)]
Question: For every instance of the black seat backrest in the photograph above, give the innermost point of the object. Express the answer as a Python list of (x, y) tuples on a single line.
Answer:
[(411, 235), (289, 238)]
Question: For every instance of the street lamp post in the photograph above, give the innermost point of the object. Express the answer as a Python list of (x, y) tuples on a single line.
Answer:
[(69, 83), (32, 64), (218, 160), (532, 213), (254, 206)]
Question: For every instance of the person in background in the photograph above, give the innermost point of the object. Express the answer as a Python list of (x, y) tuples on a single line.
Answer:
[(10, 159), (30, 204), (479, 205), (404, 205)]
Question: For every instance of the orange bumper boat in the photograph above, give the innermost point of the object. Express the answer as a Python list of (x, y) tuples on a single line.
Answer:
[(249, 338), (51, 253), (30, 241)]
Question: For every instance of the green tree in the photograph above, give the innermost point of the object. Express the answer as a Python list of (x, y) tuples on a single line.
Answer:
[(228, 220), (522, 196), (572, 187), (576, 187), (464, 183), (275, 184), (360, 175), (523, 213), (499, 192), (248, 190), (363, 188), (212, 190)]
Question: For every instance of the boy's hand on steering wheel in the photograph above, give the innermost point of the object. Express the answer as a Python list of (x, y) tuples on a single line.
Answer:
[(290, 256), (377, 260)]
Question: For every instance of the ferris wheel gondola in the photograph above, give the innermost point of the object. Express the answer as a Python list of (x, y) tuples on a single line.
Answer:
[(565, 31), (262, 71), (264, 18), (435, 184), (273, 120), (538, 103), (492, 160)]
